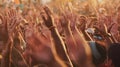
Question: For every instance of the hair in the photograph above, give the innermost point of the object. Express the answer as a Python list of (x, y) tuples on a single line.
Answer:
[(114, 54)]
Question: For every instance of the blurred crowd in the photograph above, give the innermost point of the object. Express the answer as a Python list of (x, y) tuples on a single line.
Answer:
[(66, 35)]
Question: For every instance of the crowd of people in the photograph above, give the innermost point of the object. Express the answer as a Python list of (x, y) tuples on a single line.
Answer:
[(34, 35)]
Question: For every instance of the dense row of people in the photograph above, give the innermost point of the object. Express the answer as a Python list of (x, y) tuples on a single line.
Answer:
[(38, 37)]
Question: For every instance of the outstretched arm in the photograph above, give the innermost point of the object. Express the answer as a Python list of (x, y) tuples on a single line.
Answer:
[(59, 43)]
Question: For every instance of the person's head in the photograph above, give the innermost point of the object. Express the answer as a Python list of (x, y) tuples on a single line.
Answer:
[(114, 55)]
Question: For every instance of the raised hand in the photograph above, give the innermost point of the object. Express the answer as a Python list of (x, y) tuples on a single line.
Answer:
[(13, 20), (12, 13), (102, 29), (59, 44), (64, 21), (82, 23), (47, 17)]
